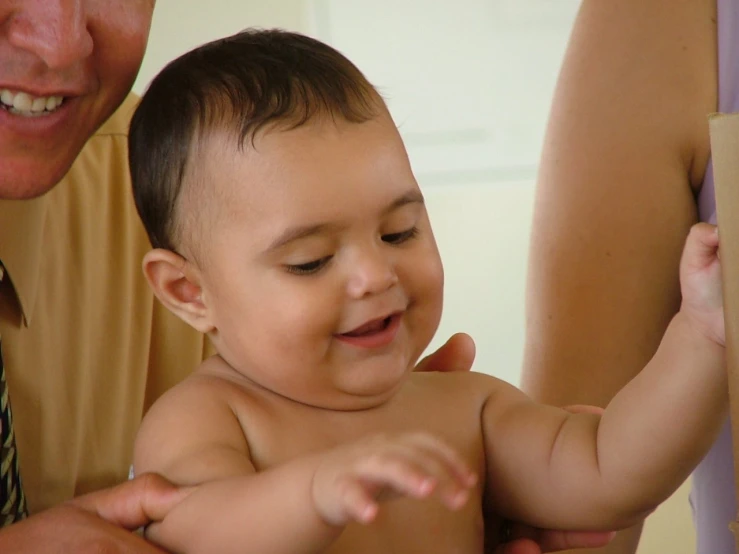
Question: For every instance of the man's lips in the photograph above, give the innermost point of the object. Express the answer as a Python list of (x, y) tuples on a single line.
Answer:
[(46, 126), (78, 88), (26, 99), (373, 334)]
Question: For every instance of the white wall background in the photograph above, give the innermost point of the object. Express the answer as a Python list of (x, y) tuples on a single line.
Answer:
[(469, 83)]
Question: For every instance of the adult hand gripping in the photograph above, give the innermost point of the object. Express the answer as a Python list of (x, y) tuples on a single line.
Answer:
[(101, 521), (457, 354)]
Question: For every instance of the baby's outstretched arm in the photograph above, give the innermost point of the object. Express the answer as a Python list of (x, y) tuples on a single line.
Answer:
[(192, 437), (559, 470)]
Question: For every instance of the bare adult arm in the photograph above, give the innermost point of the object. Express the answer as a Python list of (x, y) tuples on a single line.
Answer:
[(625, 151), (101, 521)]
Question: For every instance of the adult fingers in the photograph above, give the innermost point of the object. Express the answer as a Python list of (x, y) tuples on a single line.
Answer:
[(135, 503), (584, 409), (456, 354), (553, 540)]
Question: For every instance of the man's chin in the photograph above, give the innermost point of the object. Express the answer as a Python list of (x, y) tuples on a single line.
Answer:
[(29, 183)]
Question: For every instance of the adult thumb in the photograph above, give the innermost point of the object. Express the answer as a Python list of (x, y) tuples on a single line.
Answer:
[(143, 500), (457, 354)]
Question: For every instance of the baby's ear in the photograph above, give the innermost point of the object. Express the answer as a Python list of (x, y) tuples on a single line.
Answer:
[(176, 283)]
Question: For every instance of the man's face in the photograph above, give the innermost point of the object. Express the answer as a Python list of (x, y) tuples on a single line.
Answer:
[(65, 66), (320, 268)]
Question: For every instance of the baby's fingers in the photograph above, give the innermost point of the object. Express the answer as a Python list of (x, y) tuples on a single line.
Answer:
[(354, 479), (418, 464), (401, 471), (359, 504), (455, 465), (415, 470), (451, 473), (380, 477), (701, 246)]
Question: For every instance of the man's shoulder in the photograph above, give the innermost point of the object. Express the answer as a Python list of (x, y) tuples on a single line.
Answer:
[(94, 198), (100, 172)]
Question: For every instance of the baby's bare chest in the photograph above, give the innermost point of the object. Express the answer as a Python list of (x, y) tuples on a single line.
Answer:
[(417, 527), (280, 433)]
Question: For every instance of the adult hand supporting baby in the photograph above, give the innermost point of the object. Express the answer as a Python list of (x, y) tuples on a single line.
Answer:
[(100, 521), (526, 540), (458, 354)]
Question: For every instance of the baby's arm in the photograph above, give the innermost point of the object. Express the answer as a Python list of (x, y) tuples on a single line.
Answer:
[(578, 471), (192, 437)]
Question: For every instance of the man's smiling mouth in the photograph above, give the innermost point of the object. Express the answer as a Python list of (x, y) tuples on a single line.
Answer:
[(24, 104)]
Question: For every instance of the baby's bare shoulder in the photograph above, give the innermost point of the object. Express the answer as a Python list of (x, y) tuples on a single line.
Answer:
[(191, 419), (208, 384), (469, 386), (210, 400)]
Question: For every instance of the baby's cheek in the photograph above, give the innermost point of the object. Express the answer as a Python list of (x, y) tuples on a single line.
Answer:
[(434, 275), (431, 298)]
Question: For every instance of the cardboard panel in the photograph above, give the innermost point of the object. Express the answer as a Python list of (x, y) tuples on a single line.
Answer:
[(724, 129)]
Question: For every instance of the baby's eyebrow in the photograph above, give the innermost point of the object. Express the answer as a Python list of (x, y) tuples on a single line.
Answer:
[(295, 233), (410, 197)]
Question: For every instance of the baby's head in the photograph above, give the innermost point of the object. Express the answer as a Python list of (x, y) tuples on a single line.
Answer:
[(285, 217)]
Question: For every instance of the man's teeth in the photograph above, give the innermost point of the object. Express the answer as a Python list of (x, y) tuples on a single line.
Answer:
[(22, 103)]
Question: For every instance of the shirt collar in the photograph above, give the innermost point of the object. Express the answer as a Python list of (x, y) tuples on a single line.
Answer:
[(21, 248)]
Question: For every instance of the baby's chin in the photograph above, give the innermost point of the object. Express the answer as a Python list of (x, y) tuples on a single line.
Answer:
[(358, 398)]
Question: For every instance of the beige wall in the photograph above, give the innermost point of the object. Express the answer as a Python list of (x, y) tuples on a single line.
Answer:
[(475, 161), (183, 24)]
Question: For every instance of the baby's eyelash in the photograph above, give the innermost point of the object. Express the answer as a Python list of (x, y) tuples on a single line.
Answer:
[(314, 266), (308, 268), (403, 236)]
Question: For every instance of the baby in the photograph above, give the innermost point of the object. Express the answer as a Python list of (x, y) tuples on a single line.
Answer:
[(288, 226)]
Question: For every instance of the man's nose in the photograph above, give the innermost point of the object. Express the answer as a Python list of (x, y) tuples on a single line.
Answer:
[(55, 31)]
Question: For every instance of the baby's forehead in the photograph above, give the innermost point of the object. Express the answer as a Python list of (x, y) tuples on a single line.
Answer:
[(228, 131), (221, 163), (293, 149), (222, 158), (221, 146)]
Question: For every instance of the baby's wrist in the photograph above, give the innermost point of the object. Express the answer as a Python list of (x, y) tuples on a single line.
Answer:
[(695, 332)]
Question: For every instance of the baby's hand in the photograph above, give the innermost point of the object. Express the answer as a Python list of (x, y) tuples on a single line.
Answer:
[(700, 282), (353, 479)]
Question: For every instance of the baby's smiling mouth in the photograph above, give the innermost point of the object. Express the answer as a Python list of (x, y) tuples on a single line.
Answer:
[(369, 328)]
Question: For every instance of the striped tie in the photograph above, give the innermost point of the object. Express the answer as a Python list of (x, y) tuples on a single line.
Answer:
[(12, 499)]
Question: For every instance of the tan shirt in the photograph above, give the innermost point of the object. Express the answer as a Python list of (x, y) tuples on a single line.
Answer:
[(87, 348)]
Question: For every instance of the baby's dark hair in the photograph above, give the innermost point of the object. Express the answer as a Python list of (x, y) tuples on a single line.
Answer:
[(242, 84)]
